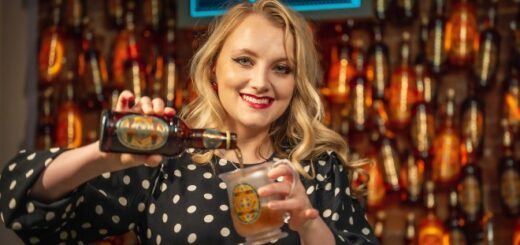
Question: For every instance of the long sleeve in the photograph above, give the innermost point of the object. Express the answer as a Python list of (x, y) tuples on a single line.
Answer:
[(331, 195), (107, 205)]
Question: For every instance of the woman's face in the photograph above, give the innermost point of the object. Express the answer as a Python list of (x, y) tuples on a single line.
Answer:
[(255, 79)]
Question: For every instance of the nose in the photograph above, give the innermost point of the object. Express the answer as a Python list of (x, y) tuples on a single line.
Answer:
[(260, 78)]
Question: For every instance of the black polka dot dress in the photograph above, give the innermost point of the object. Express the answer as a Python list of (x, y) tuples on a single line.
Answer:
[(179, 202)]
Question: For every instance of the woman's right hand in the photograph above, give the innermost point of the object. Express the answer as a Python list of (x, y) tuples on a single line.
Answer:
[(145, 105)]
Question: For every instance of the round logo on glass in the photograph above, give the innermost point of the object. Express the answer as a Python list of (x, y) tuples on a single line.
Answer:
[(246, 203)]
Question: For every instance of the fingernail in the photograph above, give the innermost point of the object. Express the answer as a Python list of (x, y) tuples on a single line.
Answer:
[(131, 103)]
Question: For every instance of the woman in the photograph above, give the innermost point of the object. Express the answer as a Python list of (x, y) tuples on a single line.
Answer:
[(256, 75)]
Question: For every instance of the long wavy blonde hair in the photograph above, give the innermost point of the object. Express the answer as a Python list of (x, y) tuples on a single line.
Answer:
[(300, 128)]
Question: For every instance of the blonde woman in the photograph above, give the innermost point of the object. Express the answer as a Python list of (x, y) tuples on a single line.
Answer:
[(256, 75)]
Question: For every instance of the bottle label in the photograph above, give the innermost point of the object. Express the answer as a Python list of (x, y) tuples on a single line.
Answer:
[(142, 133), (213, 139), (470, 196), (510, 189), (246, 203)]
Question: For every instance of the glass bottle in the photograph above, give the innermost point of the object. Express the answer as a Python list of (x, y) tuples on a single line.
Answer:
[(46, 124), (473, 116), (151, 40), (134, 70), (422, 39), (75, 11), (446, 146), (379, 226), (402, 93), (381, 9), (422, 124), (486, 64), (377, 70), (412, 178), (341, 69), (461, 32), (410, 230), (360, 99), (115, 13), (435, 50), (426, 83), (52, 48), (510, 98), (164, 79), (516, 232), (470, 194), (431, 229), (69, 123), (509, 173), (388, 156), (454, 223), (147, 134), (404, 12), (489, 229)]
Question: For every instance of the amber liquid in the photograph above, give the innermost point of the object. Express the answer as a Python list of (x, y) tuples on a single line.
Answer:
[(267, 221)]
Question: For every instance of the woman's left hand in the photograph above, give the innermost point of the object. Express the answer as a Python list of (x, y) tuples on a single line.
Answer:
[(297, 204)]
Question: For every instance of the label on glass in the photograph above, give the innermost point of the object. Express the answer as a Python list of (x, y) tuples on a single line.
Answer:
[(246, 203), (510, 189), (470, 196), (142, 133)]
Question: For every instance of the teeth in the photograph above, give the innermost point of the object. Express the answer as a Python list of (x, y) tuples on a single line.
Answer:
[(254, 100)]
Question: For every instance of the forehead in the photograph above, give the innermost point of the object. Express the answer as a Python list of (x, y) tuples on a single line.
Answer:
[(256, 33)]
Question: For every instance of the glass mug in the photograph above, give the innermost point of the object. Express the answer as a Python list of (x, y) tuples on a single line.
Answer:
[(251, 217)]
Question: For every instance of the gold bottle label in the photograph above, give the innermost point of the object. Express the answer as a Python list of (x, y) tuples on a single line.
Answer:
[(510, 189), (246, 203), (470, 196), (142, 133)]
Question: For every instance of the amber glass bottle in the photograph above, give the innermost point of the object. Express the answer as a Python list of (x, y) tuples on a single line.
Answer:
[(388, 157), (510, 96), (410, 230), (75, 11), (431, 229), (402, 93), (422, 124), (470, 194), (412, 178), (404, 12), (377, 70), (509, 173), (115, 10), (422, 39), (134, 70), (165, 76), (360, 99), (379, 226), (446, 146), (46, 124), (52, 48), (486, 64), (341, 69), (148, 134), (472, 120), (489, 229), (151, 41), (435, 50), (516, 233), (69, 127), (454, 223), (461, 33)]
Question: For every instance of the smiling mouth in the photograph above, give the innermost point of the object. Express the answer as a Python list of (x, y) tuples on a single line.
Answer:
[(257, 102)]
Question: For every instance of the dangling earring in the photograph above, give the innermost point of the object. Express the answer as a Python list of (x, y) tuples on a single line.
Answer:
[(214, 86)]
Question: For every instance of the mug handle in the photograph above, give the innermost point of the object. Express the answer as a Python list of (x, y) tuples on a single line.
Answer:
[(294, 173)]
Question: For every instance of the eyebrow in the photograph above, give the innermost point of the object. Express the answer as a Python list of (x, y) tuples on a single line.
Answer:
[(254, 54)]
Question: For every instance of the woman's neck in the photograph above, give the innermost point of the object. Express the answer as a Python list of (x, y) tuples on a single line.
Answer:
[(255, 147)]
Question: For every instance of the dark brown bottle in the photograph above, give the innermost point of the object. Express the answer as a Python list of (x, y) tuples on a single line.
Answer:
[(422, 126), (472, 120), (402, 92), (486, 64), (75, 11), (470, 194), (360, 98), (45, 127), (404, 12), (510, 96), (435, 51), (412, 176), (379, 226), (341, 68), (388, 158), (115, 13), (51, 53), (410, 230), (146, 134), (489, 229), (378, 68), (70, 124), (164, 79), (454, 222), (516, 232), (509, 173), (431, 228), (422, 39), (381, 9), (461, 32)]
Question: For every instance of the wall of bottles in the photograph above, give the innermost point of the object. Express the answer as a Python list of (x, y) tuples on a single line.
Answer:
[(429, 90)]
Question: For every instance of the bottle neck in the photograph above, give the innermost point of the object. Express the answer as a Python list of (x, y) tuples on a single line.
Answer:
[(211, 139)]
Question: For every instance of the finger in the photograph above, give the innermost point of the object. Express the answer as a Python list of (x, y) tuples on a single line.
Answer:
[(153, 160), (146, 105), (277, 188), (311, 213), (158, 106), (124, 100), (287, 204), (133, 159), (169, 112), (281, 170)]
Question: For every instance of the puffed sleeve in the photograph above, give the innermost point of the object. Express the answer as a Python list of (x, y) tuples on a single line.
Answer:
[(106, 205), (331, 195)]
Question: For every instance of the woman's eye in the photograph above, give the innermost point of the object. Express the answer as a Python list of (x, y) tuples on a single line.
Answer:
[(282, 69), (245, 61)]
